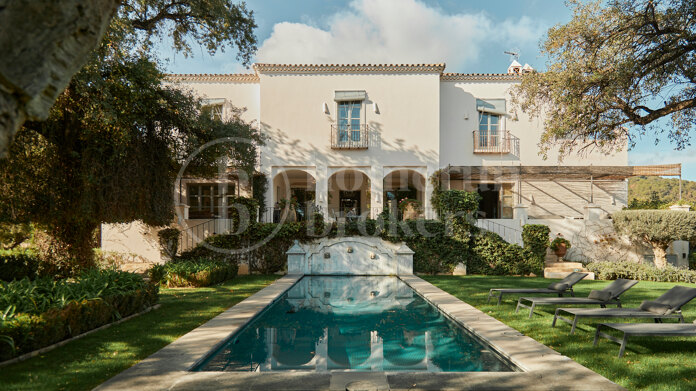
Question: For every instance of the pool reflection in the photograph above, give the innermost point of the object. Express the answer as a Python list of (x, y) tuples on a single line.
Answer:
[(353, 323)]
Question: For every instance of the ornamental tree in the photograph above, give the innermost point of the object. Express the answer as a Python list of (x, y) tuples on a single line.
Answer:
[(116, 137), (617, 70), (45, 42), (659, 228)]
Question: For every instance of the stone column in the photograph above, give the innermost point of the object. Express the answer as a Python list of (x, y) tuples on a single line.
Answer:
[(376, 190), (427, 207), (322, 190), (297, 263), (266, 215)]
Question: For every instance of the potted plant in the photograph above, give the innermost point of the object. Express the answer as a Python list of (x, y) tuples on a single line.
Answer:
[(560, 246)]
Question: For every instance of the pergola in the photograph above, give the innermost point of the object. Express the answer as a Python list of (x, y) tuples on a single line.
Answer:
[(559, 173)]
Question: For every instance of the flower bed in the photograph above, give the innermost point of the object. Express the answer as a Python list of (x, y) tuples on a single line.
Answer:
[(42, 312)]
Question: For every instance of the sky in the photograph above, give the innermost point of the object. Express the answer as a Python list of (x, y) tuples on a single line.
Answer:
[(469, 36)]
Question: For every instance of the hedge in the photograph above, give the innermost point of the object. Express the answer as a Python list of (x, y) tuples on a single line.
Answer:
[(536, 238), (42, 312), (197, 272), (640, 271), (436, 250), (495, 256)]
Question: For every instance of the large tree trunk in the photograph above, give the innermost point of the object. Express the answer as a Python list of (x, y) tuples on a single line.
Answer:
[(43, 43), (660, 253)]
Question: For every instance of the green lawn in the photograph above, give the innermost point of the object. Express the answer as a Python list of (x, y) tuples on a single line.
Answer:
[(650, 364), (87, 362)]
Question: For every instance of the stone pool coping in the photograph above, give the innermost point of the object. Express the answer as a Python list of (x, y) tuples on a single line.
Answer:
[(544, 368)]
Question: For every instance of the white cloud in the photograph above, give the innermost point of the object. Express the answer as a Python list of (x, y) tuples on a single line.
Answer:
[(397, 31)]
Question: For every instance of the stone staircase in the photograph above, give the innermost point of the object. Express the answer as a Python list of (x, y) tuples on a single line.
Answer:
[(558, 268)]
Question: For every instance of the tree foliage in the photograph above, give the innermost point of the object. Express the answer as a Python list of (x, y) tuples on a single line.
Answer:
[(659, 228), (616, 70), (659, 191), (116, 137), (213, 24)]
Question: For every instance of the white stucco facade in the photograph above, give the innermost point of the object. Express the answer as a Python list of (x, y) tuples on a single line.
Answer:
[(416, 120), (355, 139)]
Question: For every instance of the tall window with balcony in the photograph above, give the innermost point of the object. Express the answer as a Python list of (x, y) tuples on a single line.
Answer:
[(490, 137), (349, 121), (489, 127), (349, 132)]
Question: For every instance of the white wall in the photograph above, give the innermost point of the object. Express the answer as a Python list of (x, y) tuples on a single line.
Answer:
[(458, 102), (242, 95), (403, 133)]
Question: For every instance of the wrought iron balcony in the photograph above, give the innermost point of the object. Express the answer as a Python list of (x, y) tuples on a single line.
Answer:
[(349, 137), (487, 142)]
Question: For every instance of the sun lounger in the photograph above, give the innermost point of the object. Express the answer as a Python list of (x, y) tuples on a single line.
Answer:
[(609, 295), (644, 330), (558, 288), (667, 306)]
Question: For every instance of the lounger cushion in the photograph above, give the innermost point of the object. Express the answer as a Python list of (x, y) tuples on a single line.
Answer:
[(600, 295), (655, 307), (558, 286)]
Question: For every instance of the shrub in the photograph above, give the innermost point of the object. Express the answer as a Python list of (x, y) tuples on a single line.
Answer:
[(657, 227), (536, 238), (641, 271), (456, 201), (493, 255), (16, 265), (243, 210), (193, 272), (42, 312)]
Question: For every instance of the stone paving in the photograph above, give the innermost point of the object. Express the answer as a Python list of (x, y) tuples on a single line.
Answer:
[(541, 368)]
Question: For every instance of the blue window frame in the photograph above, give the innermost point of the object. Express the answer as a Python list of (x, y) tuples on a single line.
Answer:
[(489, 126), (349, 120)]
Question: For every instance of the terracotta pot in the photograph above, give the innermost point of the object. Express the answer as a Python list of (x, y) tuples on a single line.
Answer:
[(561, 250)]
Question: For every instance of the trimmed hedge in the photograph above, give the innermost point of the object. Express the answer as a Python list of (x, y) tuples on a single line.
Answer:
[(641, 271), (193, 272), (536, 238), (495, 256), (42, 312)]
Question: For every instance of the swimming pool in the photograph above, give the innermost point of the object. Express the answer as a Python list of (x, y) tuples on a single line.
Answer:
[(330, 323)]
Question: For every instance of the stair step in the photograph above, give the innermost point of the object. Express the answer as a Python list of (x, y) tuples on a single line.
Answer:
[(564, 264), (563, 274)]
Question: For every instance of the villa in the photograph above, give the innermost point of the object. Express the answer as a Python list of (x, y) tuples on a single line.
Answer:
[(354, 139)]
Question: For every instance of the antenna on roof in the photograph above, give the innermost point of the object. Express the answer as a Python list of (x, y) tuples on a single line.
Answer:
[(513, 53)]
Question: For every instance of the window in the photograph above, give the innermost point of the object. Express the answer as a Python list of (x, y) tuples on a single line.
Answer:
[(349, 117), (209, 200), (489, 127), (214, 107)]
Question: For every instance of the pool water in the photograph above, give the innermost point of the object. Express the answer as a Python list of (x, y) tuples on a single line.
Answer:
[(326, 323)]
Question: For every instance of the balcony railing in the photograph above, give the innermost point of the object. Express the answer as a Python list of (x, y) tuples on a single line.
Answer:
[(487, 142), (349, 137)]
